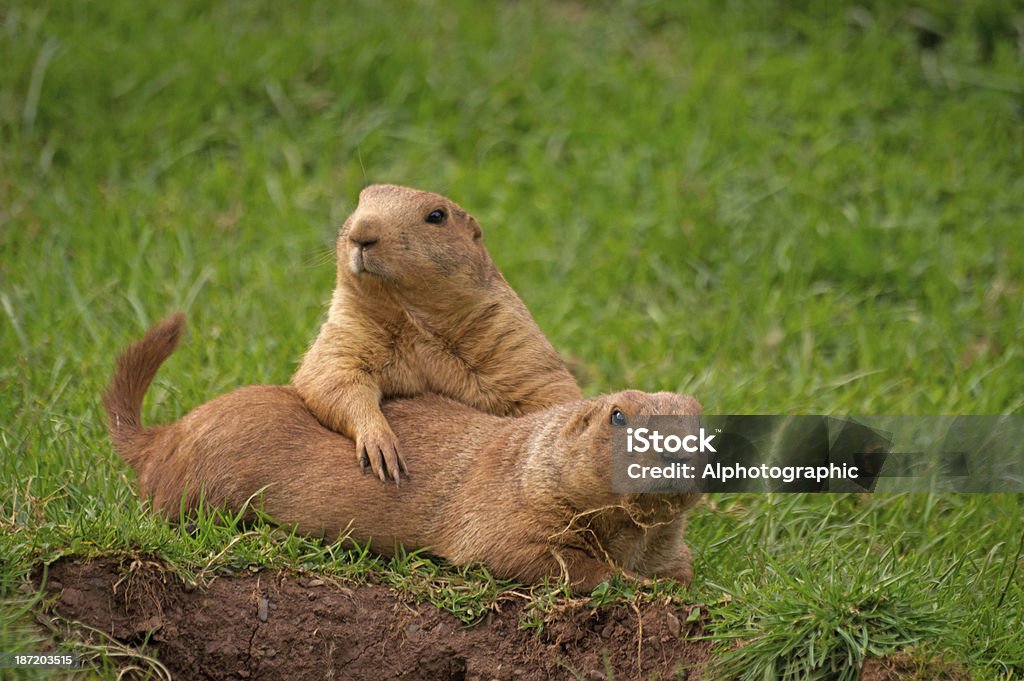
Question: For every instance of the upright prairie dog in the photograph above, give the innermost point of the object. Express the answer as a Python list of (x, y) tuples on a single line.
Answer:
[(528, 496), (419, 307)]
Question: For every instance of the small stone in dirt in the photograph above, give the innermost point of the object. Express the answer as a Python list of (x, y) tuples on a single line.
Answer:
[(672, 622), (261, 609)]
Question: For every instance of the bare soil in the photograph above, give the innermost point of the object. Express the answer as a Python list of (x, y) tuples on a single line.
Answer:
[(904, 667), (277, 625)]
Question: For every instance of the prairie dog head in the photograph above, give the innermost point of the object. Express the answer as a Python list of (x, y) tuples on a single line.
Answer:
[(408, 240), (571, 452)]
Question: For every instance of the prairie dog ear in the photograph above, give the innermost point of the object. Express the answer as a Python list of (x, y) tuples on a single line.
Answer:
[(577, 424), (474, 226)]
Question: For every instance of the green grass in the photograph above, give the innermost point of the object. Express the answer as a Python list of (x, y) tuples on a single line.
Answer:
[(779, 207)]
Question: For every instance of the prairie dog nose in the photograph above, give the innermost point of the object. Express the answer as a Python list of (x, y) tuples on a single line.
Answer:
[(364, 233)]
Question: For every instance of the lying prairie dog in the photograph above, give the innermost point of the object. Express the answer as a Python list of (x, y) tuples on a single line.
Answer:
[(528, 496)]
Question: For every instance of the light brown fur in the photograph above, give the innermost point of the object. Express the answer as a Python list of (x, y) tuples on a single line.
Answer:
[(528, 496), (421, 308)]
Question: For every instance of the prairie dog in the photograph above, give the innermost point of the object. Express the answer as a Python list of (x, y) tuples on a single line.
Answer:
[(528, 496), (419, 307)]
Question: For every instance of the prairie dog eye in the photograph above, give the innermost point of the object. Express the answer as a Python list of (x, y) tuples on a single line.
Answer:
[(436, 217), (618, 418)]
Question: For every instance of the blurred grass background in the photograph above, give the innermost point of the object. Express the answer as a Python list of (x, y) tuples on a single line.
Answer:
[(805, 207)]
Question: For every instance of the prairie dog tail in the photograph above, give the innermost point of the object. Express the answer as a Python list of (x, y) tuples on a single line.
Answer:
[(136, 366)]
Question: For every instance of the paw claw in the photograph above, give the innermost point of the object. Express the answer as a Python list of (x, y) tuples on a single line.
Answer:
[(380, 452)]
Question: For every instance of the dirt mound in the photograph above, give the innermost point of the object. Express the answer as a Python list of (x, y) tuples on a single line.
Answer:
[(274, 626)]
